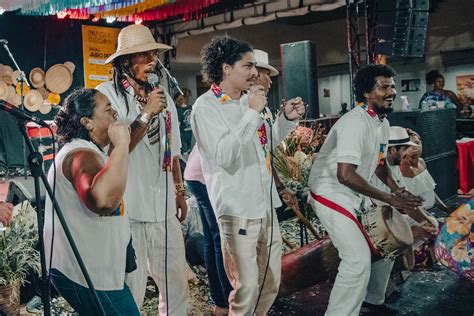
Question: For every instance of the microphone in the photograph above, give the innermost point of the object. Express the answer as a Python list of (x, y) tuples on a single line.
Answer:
[(3, 41), (153, 80), (7, 107)]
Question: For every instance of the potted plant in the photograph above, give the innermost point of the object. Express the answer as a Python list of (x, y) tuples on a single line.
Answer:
[(17, 256)]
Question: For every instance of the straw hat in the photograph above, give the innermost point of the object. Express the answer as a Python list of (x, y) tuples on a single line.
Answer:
[(261, 58), (3, 90), (70, 65), (399, 136), (33, 100), (37, 77), (15, 100), (58, 78), (15, 77), (6, 74), (136, 38), (45, 108), (44, 92)]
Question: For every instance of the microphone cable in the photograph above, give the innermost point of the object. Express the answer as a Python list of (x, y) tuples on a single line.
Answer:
[(270, 125)]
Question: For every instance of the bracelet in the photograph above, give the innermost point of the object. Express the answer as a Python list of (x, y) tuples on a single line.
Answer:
[(144, 118), (179, 189)]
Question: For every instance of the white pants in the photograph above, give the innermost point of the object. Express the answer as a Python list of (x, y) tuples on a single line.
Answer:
[(149, 244), (355, 270), (245, 259)]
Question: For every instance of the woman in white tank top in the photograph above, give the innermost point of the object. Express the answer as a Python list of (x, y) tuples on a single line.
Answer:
[(89, 188)]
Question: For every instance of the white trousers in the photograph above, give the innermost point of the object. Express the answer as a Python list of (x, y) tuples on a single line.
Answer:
[(245, 259), (149, 244), (355, 270)]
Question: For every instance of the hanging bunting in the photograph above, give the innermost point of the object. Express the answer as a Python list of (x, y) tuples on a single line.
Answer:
[(55, 6)]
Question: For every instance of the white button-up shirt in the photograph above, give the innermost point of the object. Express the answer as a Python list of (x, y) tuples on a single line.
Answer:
[(357, 138), (232, 158), (145, 194)]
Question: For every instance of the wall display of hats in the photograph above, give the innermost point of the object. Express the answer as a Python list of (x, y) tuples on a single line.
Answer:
[(45, 88)]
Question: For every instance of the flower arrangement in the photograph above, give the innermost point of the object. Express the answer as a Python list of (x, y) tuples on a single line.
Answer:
[(17, 248), (294, 157)]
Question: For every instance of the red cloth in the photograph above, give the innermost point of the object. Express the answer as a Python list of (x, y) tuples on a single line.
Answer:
[(466, 165)]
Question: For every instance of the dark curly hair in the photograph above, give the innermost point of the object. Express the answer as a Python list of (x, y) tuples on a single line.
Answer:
[(432, 76), (221, 50), (364, 80), (77, 105)]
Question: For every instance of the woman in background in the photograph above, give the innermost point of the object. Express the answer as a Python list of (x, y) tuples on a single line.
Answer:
[(438, 94)]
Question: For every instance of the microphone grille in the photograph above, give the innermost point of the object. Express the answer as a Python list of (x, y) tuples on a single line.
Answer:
[(153, 79)]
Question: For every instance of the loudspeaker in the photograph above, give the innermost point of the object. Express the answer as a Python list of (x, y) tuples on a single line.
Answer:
[(400, 27), (20, 190), (299, 75)]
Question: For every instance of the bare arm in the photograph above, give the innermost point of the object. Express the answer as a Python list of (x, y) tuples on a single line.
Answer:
[(100, 186), (179, 189), (347, 175), (455, 99), (384, 174)]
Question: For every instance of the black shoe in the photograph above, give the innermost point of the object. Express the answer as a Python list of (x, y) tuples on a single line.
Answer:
[(377, 310)]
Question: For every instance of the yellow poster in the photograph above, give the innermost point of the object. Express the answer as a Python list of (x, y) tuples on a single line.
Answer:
[(98, 43)]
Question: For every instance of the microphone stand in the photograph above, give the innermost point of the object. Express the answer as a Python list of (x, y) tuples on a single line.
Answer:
[(172, 80), (35, 161), (22, 81)]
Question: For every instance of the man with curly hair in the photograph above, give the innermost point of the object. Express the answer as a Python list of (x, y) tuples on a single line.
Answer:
[(355, 150), (234, 142)]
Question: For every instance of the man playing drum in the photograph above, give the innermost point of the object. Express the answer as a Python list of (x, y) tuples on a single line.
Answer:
[(353, 152)]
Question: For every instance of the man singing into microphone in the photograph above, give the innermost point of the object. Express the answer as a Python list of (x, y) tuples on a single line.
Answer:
[(150, 196), (234, 143)]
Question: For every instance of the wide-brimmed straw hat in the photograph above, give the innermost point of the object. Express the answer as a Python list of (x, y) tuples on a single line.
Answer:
[(399, 136), (70, 65), (58, 78), (37, 77), (261, 58), (33, 100), (136, 38)]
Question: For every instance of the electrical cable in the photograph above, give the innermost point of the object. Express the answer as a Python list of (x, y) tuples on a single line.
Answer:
[(270, 125)]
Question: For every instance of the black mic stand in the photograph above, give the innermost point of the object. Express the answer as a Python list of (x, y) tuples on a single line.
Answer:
[(35, 161), (22, 81)]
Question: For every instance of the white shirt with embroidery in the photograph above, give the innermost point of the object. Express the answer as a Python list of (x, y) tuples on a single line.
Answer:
[(357, 138), (232, 157), (145, 194)]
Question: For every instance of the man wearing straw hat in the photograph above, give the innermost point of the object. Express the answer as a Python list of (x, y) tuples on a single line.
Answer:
[(150, 197)]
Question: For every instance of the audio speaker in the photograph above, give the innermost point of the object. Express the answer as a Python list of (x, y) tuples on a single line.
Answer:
[(20, 190), (299, 75), (400, 27)]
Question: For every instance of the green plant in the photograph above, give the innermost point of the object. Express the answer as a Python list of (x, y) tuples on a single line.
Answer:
[(17, 247)]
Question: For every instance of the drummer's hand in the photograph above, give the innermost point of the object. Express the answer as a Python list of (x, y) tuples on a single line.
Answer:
[(404, 200), (423, 232), (6, 213)]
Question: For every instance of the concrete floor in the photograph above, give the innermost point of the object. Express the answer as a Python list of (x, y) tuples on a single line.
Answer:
[(438, 292)]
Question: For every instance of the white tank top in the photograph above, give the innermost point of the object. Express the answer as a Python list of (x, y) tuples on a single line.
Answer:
[(101, 240)]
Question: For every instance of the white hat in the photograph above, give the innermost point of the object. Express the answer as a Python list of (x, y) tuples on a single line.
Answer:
[(399, 136), (262, 61), (136, 38)]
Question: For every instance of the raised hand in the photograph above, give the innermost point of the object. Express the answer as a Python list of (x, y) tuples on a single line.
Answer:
[(294, 108), (119, 134), (6, 213), (156, 102), (257, 98)]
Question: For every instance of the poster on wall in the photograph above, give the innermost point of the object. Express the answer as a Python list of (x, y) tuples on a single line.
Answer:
[(98, 43), (465, 89)]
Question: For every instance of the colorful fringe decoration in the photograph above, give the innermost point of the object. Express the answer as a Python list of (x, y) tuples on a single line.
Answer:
[(167, 156), (262, 135)]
